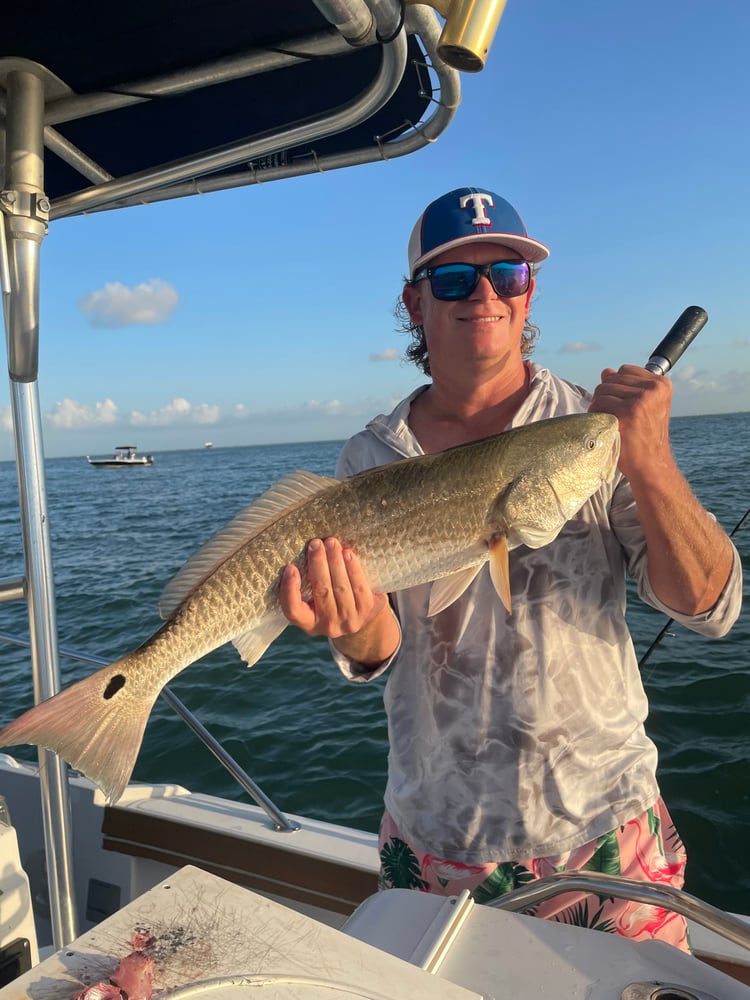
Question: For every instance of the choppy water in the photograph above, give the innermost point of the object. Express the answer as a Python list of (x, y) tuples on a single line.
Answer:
[(316, 744)]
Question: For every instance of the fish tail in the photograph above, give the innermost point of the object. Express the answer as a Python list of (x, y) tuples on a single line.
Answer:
[(96, 724)]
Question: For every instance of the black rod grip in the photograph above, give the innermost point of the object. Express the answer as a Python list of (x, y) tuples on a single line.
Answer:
[(688, 325)]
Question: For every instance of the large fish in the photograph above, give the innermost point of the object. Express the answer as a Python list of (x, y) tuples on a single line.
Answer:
[(436, 517)]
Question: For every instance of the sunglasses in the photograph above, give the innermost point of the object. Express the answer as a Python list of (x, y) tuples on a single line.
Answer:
[(451, 282)]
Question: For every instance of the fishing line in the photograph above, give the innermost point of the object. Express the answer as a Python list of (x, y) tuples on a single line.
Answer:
[(670, 621)]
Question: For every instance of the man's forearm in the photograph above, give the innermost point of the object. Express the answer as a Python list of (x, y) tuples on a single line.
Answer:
[(689, 554)]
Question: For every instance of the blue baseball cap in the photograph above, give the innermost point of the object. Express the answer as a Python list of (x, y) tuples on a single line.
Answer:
[(464, 216)]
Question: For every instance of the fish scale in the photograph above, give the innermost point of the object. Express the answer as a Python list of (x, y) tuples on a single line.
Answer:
[(431, 519)]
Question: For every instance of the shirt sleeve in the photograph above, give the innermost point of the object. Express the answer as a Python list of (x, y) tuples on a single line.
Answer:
[(358, 672), (719, 619)]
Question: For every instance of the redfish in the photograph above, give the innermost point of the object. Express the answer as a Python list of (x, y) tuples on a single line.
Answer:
[(434, 518)]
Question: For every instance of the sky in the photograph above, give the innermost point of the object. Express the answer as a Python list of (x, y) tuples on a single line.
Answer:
[(618, 130)]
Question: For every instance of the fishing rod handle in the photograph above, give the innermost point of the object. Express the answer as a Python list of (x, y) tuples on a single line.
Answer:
[(688, 325)]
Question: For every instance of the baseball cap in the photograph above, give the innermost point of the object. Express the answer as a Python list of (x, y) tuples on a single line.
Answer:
[(464, 216)]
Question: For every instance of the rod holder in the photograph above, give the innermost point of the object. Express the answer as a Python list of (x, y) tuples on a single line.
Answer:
[(468, 32)]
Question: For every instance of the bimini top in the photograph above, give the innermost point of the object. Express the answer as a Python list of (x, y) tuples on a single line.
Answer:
[(154, 99)]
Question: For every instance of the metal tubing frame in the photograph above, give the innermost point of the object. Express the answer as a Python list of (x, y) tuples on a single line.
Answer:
[(24, 226), (279, 822), (650, 893), (63, 106), (120, 190), (421, 21)]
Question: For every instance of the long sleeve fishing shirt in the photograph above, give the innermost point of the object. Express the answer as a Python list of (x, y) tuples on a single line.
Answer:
[(523, 735)]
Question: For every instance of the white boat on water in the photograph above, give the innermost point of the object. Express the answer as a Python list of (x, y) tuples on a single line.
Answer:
[(233, 896), (125, 456)]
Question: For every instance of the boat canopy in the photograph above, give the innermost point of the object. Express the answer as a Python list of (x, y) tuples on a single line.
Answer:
[(152, 99)]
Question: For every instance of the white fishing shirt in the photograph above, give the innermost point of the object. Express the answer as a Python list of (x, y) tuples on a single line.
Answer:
[(523, 736)]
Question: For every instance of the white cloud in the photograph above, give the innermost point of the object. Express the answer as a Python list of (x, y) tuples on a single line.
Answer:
[(178, 411), (308, 412), (699, 391), (579, 347), (740, 342), (327, 407), (389, 354), (694, 378), (69, 414), (117, 305), (6, 418)]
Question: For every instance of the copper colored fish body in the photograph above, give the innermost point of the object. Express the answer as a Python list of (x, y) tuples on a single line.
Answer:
[(435, 518)]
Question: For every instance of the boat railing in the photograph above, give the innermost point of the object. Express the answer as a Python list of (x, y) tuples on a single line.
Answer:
[(280, 823), (651, 894)]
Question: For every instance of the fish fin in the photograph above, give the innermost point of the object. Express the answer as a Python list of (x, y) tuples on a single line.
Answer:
[(96, 724), (252, 645), (500, 568), (288, 493), (447, 590), (535, 538)]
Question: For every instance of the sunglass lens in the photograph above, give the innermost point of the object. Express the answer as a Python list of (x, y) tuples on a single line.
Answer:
[(510, 278), (453, 281)]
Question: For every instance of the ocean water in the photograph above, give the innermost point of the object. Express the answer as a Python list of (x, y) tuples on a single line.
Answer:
[(316, 744)]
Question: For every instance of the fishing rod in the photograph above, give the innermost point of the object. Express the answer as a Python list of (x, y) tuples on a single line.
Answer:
[(685, 329)]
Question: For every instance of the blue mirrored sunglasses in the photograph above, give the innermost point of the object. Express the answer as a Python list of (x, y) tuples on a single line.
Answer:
[(450, 282)]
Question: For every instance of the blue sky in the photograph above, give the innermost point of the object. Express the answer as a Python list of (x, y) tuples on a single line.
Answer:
[(265, 314)]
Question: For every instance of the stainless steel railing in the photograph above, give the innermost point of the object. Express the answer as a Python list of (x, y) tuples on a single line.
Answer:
[(279, 821), (650, 893)]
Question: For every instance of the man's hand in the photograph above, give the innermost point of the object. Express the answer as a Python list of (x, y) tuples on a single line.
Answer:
[(342, 604), (641, 402)]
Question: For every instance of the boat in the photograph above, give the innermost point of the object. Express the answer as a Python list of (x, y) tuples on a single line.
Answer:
[(125, 456), (228, 896)]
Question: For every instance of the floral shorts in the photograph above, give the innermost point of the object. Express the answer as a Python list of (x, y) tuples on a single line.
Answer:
[(647, 848)]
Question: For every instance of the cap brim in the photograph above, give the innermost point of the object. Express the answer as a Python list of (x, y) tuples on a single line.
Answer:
[(529, 249)]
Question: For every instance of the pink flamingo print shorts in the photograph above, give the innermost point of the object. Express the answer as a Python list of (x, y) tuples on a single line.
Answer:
[(647, 848)]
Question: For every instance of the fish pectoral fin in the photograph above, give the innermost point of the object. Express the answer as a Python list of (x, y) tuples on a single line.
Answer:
[(535, 537), (447, 590), (500, 568), (253, 644)]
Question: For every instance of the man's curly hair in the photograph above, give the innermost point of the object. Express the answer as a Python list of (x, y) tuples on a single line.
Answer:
[(416, 352)]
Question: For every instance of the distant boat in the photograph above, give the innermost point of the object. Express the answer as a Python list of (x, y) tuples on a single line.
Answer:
[(209, 444), (124, 458)]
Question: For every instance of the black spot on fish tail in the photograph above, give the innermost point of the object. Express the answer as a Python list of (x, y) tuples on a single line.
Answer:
[(116, 683)]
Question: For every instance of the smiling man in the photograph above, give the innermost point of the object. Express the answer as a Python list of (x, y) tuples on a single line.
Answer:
[(517, 741)]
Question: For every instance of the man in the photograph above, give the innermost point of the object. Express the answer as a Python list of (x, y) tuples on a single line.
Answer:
[(517, 745)]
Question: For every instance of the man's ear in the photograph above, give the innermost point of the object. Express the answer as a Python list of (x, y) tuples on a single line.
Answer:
[(412, 299)]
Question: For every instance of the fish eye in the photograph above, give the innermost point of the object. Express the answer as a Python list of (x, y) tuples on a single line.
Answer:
[(590, 443)]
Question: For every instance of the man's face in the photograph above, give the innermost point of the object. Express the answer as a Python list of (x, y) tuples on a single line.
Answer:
[(481, 329)]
